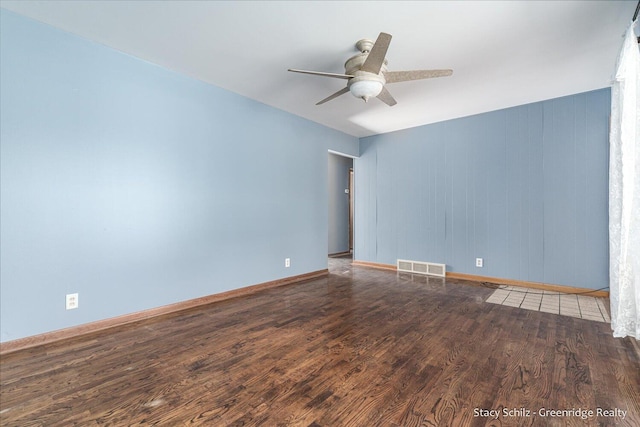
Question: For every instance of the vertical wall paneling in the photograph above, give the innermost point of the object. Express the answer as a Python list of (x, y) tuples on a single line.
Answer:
[(524, 188), (593, 183), (365, 222)]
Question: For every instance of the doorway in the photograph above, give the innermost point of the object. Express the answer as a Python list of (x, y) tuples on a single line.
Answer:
[(341, 188), (351, 183)]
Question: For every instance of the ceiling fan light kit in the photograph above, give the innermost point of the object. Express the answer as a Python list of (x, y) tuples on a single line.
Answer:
[(364, 85), (366, 73), (365, 89)]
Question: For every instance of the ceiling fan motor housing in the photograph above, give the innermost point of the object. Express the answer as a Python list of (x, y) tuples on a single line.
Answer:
[(364, 84)]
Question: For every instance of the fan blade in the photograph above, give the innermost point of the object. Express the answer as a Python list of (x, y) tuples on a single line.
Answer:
[(335, 95), (405, 76), (374, 61), (319, 73), (386, 97)]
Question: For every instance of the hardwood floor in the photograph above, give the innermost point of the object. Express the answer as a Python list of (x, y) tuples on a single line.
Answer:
[(361, 347)]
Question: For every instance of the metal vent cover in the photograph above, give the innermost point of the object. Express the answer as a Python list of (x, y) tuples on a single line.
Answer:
[(420, 267)]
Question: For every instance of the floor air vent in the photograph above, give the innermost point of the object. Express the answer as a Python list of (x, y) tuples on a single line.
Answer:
[(420, 267)]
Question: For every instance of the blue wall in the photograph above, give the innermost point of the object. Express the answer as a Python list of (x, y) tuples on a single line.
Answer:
[(137, 187), (525, 188)]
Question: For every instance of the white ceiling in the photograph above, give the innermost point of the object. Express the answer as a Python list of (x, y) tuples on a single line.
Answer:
[(503, 53)]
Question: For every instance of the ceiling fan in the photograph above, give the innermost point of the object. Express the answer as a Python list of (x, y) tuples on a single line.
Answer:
[(366, 73)]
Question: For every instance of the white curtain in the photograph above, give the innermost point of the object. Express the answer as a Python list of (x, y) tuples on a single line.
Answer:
[(624, 191)]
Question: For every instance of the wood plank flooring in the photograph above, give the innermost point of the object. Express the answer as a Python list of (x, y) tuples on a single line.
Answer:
[(361, 347)]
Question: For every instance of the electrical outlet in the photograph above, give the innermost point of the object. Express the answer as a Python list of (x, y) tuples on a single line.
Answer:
[(479, 262), (287, 262), (71, 301)]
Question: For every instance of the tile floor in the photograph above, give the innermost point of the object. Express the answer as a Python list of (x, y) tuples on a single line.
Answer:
[(581, 306)]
